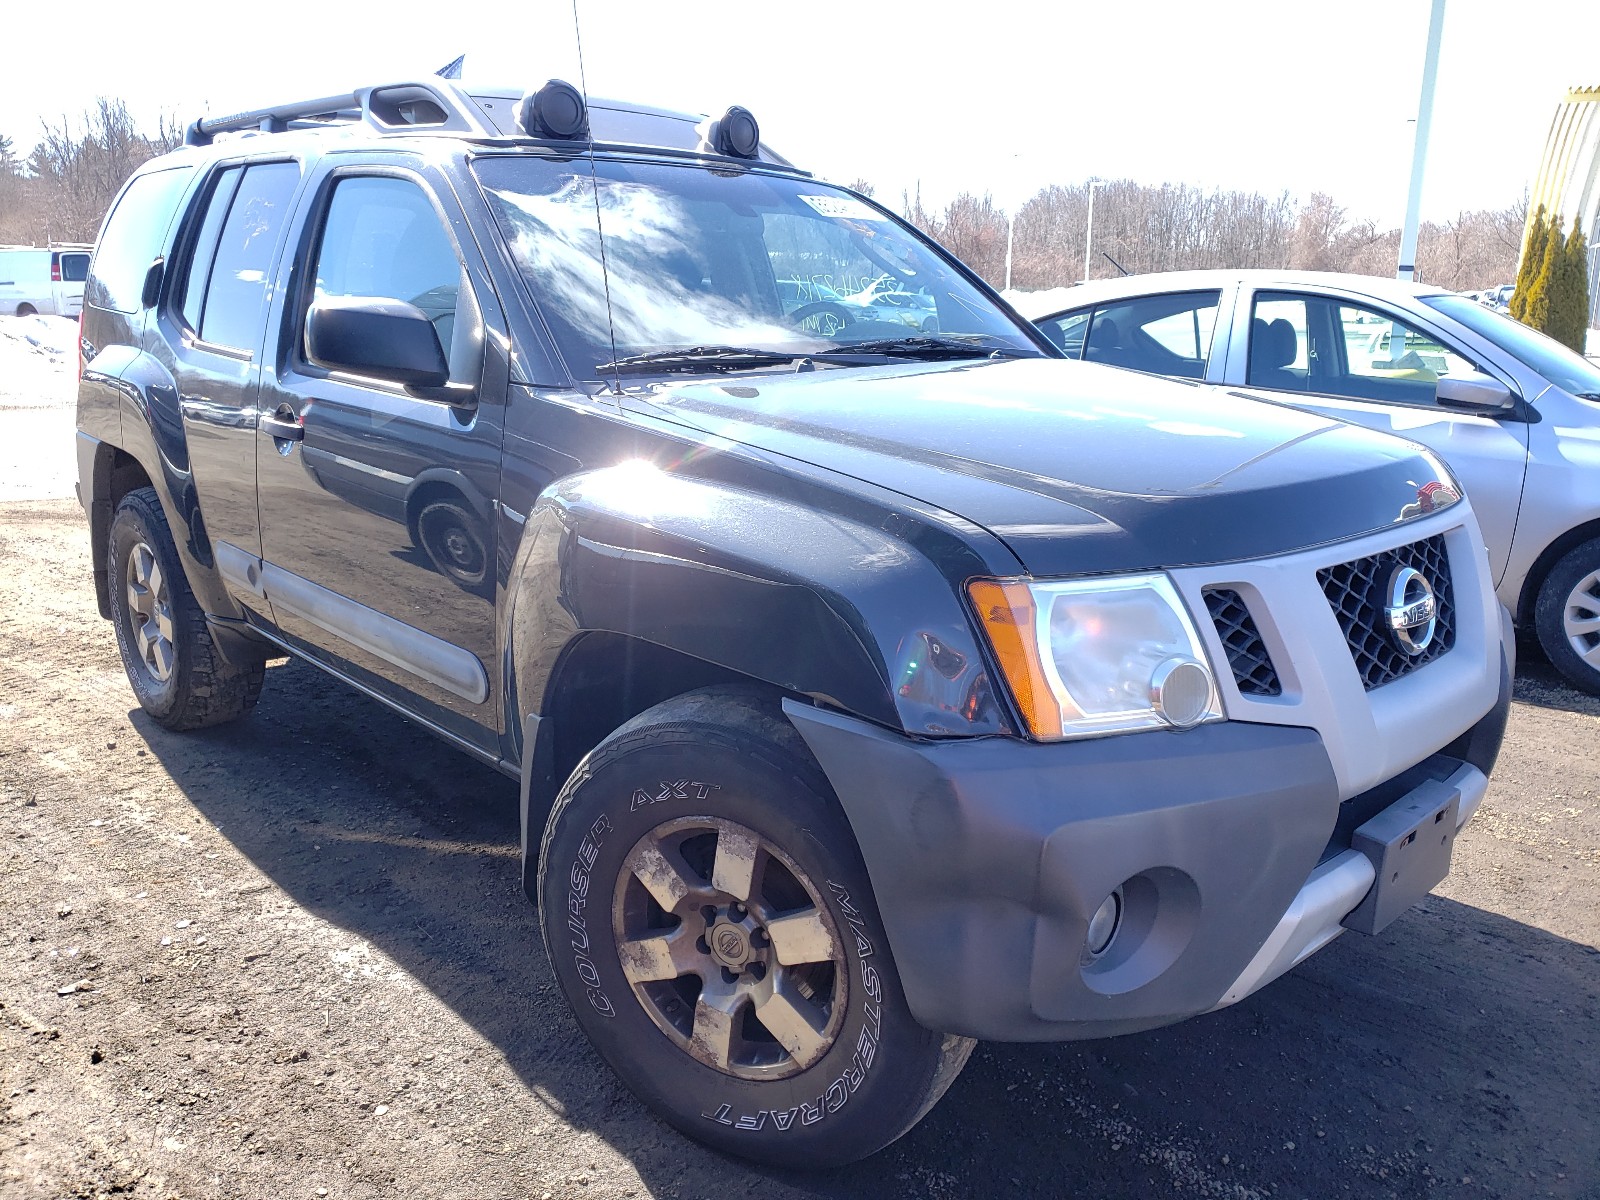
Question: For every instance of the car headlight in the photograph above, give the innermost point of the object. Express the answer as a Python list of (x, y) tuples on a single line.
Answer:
[(1095, 656)]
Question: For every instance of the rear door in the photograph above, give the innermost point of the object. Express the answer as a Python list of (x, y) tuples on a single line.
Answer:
[(209, 337), (69, 270), (1359, 361), (378, 513)]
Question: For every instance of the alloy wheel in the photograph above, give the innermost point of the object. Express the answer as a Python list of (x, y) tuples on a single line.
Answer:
[(729, 948), (150, 612), (1580, 618)]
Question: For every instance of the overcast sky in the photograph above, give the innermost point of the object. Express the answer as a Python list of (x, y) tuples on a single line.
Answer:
[(992, 96)]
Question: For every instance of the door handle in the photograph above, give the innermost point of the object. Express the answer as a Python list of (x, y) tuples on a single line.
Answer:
[(284, 425)]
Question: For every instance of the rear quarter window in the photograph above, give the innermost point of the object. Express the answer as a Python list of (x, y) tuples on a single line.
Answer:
[(74, 268), (133, 236)]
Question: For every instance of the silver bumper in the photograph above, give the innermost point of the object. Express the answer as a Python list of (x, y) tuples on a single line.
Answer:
[(1334, 890)]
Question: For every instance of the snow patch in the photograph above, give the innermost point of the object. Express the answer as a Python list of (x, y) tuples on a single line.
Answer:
[(54, 337)]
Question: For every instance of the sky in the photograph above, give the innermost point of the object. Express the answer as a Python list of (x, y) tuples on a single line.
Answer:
[(999, 96)]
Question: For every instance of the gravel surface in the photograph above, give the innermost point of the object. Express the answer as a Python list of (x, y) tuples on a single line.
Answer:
[(292, 958)]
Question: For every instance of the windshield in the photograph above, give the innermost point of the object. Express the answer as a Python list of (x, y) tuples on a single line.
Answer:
[(697, 259), (1567, 370)]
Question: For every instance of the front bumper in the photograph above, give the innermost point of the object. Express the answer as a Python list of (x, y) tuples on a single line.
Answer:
[(988, 858)]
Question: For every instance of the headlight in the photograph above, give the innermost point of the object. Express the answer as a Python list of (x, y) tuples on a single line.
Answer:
[(1095, 656)]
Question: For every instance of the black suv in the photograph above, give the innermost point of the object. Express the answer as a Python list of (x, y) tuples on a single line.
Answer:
[(873, 686)]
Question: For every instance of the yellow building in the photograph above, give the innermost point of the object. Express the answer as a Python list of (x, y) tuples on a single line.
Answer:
[(1568, 182)]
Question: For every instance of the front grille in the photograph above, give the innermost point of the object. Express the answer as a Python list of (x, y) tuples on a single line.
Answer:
[(1247, 653), (1356, 593)]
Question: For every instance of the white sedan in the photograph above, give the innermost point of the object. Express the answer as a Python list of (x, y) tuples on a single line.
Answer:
[(1515, 414)]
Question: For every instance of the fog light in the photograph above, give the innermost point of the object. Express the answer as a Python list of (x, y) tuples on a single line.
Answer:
[(1180, 690), (1103, 925)]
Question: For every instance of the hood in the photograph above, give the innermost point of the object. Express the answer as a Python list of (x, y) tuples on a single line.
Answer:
[(1080, 468)]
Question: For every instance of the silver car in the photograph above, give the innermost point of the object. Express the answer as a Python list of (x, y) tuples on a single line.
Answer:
[(1515, 414)]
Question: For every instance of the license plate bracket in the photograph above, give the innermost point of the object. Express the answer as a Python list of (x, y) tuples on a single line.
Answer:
[(1410, 844)]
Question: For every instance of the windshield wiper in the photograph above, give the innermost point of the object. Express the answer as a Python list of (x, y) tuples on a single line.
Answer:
[(697, 358), (980, 345)]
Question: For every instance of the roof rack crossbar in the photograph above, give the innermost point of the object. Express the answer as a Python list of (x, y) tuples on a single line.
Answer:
[(405, 105)]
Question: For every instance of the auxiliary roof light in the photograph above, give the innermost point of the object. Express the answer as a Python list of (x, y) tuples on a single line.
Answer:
[(737, 135), (554, 111)]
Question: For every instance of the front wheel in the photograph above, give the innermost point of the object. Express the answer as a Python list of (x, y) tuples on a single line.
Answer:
[(710, 921), (1567, 616)]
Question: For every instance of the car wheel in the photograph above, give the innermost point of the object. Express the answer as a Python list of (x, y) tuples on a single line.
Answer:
[(167, 651), (1567, 616), (26, 310), (451, 536), (709, 919)]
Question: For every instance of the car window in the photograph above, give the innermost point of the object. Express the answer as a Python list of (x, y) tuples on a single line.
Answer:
[(237, 291), (74, 268), (1067, 331), (1164, 335), (133, 237), (1318, 344), (383, 238), (204, 247)]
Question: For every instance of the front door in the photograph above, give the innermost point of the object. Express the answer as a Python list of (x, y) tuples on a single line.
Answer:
[(377, 506), (1361, 364)]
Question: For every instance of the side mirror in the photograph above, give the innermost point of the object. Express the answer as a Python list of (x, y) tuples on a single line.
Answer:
[(376, 336), (1472, 389)]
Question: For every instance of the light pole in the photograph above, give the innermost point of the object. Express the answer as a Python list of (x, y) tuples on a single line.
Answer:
[(1088, 228), (1011, 236), (1406, 269)]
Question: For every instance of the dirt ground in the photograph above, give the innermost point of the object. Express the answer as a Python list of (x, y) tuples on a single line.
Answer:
[(292, 958)]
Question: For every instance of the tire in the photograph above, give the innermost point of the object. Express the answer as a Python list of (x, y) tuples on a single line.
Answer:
[(450, 534), (26, 310), (1567, 616), (708, 795), (167, 651)]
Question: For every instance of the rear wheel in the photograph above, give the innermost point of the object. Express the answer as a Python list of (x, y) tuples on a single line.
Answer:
[(26, 310), (167, 651), (708, 917)]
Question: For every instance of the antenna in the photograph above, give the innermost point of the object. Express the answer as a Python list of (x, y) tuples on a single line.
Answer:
[(599, 224)]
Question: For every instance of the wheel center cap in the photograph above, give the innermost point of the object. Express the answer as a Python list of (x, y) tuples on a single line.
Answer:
[(730, 944)]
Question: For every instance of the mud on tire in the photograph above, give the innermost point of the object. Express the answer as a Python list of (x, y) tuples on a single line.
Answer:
[(172, 663), (710, 921)]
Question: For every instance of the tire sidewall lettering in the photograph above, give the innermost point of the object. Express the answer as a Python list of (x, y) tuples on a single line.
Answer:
[(580, 882), (835, 1095), (577, 915)]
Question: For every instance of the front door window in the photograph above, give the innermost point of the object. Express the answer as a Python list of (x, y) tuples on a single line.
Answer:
[(1322, 345)]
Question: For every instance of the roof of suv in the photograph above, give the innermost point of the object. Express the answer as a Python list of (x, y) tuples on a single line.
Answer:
[(490, 116)]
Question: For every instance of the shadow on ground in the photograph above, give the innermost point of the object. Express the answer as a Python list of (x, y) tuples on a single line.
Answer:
[(1459, 1053)]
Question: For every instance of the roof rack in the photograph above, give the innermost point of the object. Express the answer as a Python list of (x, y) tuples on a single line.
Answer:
[(404, 106), (434, 105)]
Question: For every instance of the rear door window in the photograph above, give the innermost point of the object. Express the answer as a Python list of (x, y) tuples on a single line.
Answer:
[(1162, 335), (74, 268), (237, 289), (204, 247), (1067, 331), (133, 237)]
